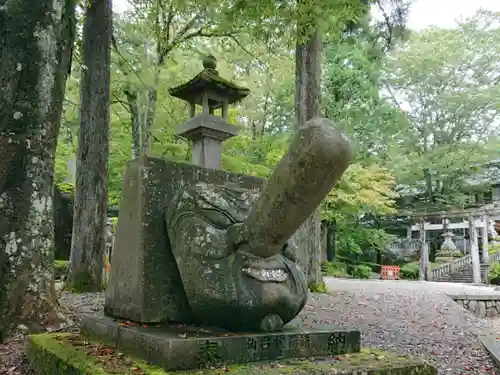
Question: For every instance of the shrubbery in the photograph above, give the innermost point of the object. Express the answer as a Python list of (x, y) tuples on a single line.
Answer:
[(335, 269), (494, 274), (361, 271), (338, 269), (410, 271)]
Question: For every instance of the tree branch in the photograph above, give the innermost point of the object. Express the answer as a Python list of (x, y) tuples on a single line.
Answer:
[(202, 33), (387, 21)]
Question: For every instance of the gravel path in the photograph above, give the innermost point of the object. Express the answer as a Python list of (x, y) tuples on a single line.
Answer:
[(412, 318), (405, 316)]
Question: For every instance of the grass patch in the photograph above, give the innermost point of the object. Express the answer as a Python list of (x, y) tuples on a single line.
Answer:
[(63, 353)]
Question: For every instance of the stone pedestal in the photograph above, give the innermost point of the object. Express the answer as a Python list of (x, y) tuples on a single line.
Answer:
[(207, 132), (188, 347)]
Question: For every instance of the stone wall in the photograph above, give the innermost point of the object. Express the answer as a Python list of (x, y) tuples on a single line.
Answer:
[(483, 306)]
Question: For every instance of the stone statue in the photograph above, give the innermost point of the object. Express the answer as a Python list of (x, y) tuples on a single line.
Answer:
[(233, 246)]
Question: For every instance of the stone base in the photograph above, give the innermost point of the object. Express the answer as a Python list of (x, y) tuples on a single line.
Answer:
[(188, 347), (59, 353)]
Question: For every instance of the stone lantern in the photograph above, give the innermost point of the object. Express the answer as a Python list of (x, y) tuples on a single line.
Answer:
[(206, 130), (448, 235)]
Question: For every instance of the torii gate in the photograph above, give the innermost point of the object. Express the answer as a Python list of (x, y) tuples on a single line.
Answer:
[(484, 212)]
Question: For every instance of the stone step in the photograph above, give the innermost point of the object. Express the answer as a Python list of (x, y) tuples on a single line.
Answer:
[(464, 275)]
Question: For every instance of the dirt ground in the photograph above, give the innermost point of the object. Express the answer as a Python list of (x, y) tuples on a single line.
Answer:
[(13, 360), (13, 357)]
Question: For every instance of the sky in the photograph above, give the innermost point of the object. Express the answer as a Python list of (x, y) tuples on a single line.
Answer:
[(443, 13), (424, 13)]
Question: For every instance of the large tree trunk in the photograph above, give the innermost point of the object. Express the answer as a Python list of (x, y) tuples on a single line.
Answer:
[(308, 78), (91, 201), (307, 105), (35, 54)]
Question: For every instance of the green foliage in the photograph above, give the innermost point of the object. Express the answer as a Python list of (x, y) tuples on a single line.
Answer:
[(494, 248), (334, 269), (351, 96), (361, 271), (362, 193), (265, 20), (66, 187), (447, 83), (114, 223), (494, 274), (411, 270), (362, 189)]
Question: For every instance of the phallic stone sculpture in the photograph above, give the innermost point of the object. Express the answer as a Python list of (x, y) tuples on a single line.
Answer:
[(232, 246)]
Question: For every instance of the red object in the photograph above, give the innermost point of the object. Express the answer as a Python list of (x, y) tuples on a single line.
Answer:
[(389, 272)]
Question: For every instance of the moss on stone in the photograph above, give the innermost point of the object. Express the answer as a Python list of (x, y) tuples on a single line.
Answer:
[(81, 283), (318, 287), (50, 355)]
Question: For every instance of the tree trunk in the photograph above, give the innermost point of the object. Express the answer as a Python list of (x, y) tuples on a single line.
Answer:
[(142, 106), (307, 106), (150, 118), (90, 213), (35, 50), (428, 186), (308, 78), (330, 241), (324, 240)]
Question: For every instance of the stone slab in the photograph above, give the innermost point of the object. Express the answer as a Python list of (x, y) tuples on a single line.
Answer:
[(144, 282), (181, 347), (492, 346), (49, 353)]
